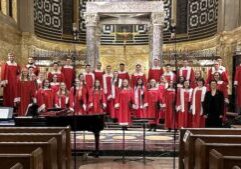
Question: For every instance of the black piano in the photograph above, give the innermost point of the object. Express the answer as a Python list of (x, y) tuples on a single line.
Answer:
[(92, 123)]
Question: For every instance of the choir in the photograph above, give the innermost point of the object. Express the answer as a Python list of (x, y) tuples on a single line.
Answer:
[(178, 98)]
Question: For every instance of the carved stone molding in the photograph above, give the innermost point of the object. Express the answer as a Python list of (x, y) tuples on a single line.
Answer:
[(91, 19), (157, 18)]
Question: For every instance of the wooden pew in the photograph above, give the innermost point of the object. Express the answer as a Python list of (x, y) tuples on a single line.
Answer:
[(32, 160), (203, 148), (184, 134), (39, 137), (17, 166), (49, 149), (219, 161), (66, 136)]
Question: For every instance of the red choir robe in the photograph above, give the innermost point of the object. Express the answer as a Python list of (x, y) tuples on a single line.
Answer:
[(55, 87), (99, 76), (36, 69), (10, 72), (69, 75), (155, 73), (197, 109), (139, 95), (60, 76), (237, 83), (108, 89), (187, 73), (152, 104), (137, 76), (78, 100), (61, 101), (123, 75), (184, 98), (169, 76), (124, 101), (162, 88), (222, 71), (170, 115), (25, 95), (45, 99), (89, 80), (97, 102)]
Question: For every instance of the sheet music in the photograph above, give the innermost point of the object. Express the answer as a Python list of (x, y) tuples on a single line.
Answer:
[(4, 113)]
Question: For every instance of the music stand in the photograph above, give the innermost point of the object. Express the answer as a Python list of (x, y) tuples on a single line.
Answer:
[(144, 122)]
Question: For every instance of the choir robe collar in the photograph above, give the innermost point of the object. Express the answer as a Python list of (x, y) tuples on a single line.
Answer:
[(11, 63)]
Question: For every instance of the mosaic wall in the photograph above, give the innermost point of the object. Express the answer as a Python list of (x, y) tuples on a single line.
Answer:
[(201, 22)]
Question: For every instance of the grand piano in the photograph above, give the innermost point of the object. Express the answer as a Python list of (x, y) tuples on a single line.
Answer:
[(92, 123)]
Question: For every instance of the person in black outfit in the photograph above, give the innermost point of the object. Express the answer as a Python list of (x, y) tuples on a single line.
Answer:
[(213, 106)]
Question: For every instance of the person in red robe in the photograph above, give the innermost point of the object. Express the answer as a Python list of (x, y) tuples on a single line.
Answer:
[(40, 78), (152, 104), (54, 84), (31, 63), (10, 72), (69, 73), (197, 76), (197, 102), (45, 97), (183, 104), (78, 98), (89, 78), (99, 73), (122, 74), (25, 93), (237, 85), (108, 90), (169, 100), (219, 69), (163, 85), (97, 100), (62, 97), (186, 71), (139, 96), (155, 72), (56, 72), (138, 74), (180, 82), (124, 103), (169, 74)]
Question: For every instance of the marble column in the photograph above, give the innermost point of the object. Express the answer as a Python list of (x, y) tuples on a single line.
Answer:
[(91, 21), (157, 36)]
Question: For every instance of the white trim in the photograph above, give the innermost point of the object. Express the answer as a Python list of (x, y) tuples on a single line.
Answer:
[(42, 107), (68, 67), (203, 89), (138, 74), (189, 71), (235, 82), (11, 64), (105, 81)]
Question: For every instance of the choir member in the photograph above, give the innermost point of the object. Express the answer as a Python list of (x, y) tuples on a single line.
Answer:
[(89, 77), (163, 85), (10, 73), (107, 86), (222, 68), (40, 78), (139, 95), (197, 76), (169, 100), (78, 98), (155, 72), (219, 69), (45, 97), (54, 84), (180, 82), (31, 63), (116, 81), (138, 75), (31, 72), (213, 106), (197, 102), (122, 74), (97, 100), (81, 78), (184, 98), (57, 72), (169, 74), (152, 103), (62, 97), (25, 93), (237, 85), (124, 103), (68, 72), (99, 73), (186, 71)]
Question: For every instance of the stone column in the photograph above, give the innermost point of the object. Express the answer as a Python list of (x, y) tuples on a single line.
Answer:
[(91, 21), (157, 36)]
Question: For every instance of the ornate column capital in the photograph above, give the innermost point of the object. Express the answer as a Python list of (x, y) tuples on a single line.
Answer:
[(157, 18), (91, 19)]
